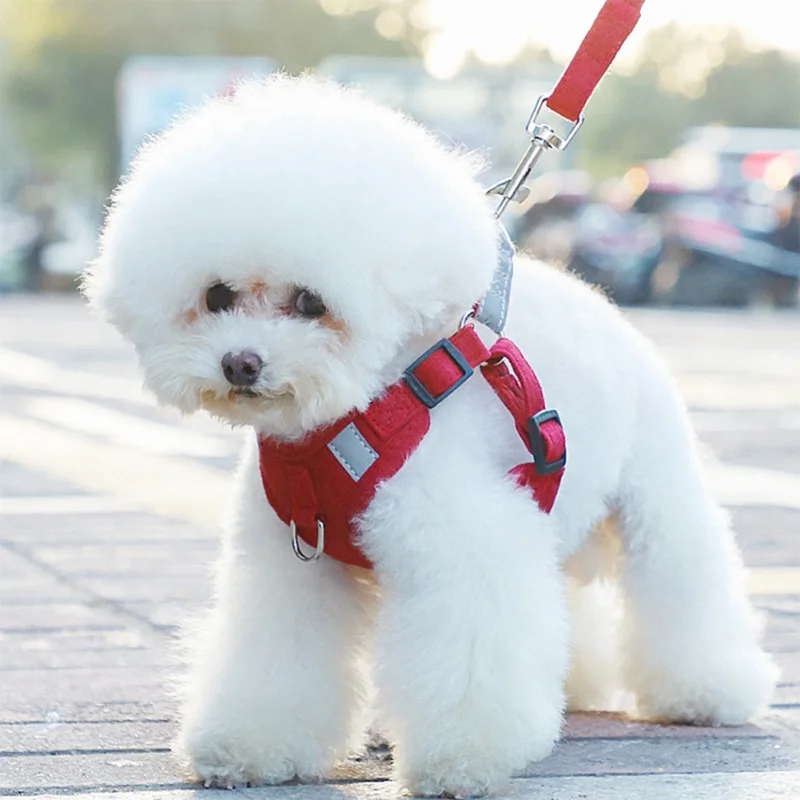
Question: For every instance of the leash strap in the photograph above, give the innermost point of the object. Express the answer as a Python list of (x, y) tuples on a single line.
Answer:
[(614, 23)]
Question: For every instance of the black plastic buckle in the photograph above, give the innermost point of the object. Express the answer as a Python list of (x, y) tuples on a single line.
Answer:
[(415, 384), (537, 446)]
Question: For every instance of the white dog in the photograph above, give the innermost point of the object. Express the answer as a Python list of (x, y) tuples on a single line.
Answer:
[(278, 258)]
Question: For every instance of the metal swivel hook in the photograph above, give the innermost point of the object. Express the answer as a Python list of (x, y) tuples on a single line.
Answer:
[(543, 137)]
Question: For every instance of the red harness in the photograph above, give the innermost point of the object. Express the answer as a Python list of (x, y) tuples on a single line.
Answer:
[(324, 482)]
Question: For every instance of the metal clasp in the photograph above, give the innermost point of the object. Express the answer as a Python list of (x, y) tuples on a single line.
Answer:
[(543, 137), (320, 548), (539, 130)]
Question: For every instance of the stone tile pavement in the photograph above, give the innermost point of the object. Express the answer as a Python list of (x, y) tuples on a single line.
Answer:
[(87, 613), (98, 566)]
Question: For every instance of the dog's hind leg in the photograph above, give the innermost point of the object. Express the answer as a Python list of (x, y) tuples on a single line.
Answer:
[(593, 682), (595, 606), (691, 650), (273, 685)]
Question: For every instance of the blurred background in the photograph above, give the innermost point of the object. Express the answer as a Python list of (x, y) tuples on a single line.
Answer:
[(678, 190)]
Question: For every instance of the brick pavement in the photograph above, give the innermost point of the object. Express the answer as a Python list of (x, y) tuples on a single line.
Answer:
[(89, 606), (94, 585)]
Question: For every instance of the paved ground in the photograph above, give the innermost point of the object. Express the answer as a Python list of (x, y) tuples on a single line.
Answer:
[(107, 515)]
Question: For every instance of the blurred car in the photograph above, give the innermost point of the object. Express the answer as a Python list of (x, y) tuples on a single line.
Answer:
[(544, 225), (713, 257), (20, 238), (616, 250), (65, 257)]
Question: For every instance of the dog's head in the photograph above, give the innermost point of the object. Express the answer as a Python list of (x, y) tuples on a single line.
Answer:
[(274, 256)]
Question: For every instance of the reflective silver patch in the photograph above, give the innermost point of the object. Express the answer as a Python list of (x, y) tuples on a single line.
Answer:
[(353, 452), (493, 309)]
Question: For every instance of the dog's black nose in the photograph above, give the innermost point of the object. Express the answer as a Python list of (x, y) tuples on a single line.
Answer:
[(242, 369)]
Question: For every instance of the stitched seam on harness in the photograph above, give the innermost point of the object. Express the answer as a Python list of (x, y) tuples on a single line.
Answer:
[(505, 294)]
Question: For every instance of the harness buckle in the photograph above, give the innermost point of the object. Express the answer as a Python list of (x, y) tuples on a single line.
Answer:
[(536, 443), (416, 385)]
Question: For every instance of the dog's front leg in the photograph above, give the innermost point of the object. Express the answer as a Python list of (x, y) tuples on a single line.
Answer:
[(272, 686), (471, 644)]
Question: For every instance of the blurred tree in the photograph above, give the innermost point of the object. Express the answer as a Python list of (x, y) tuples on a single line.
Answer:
[(630, 120), (61, 58), (759, 89)]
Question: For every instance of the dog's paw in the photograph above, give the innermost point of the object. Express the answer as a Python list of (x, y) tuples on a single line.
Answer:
[(460, 764), (460, 790), (215, 763), (455, 780), (731, 693), (237, 774)]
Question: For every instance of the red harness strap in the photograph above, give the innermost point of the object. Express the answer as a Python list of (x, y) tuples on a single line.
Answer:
[(539, 428), (332, 475)]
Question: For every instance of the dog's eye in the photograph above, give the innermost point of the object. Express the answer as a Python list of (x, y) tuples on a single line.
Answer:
[(220, 298), (309, 303)]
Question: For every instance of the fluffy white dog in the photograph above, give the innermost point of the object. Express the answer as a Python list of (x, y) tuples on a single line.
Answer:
[(278, 258)]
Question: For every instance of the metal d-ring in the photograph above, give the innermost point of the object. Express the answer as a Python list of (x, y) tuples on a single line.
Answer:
[(320, 548)]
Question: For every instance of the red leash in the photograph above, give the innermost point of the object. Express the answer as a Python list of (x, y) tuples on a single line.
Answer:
[(613, 25)]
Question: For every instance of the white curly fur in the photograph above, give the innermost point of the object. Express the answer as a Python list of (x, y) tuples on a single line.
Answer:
[(297, 183)]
